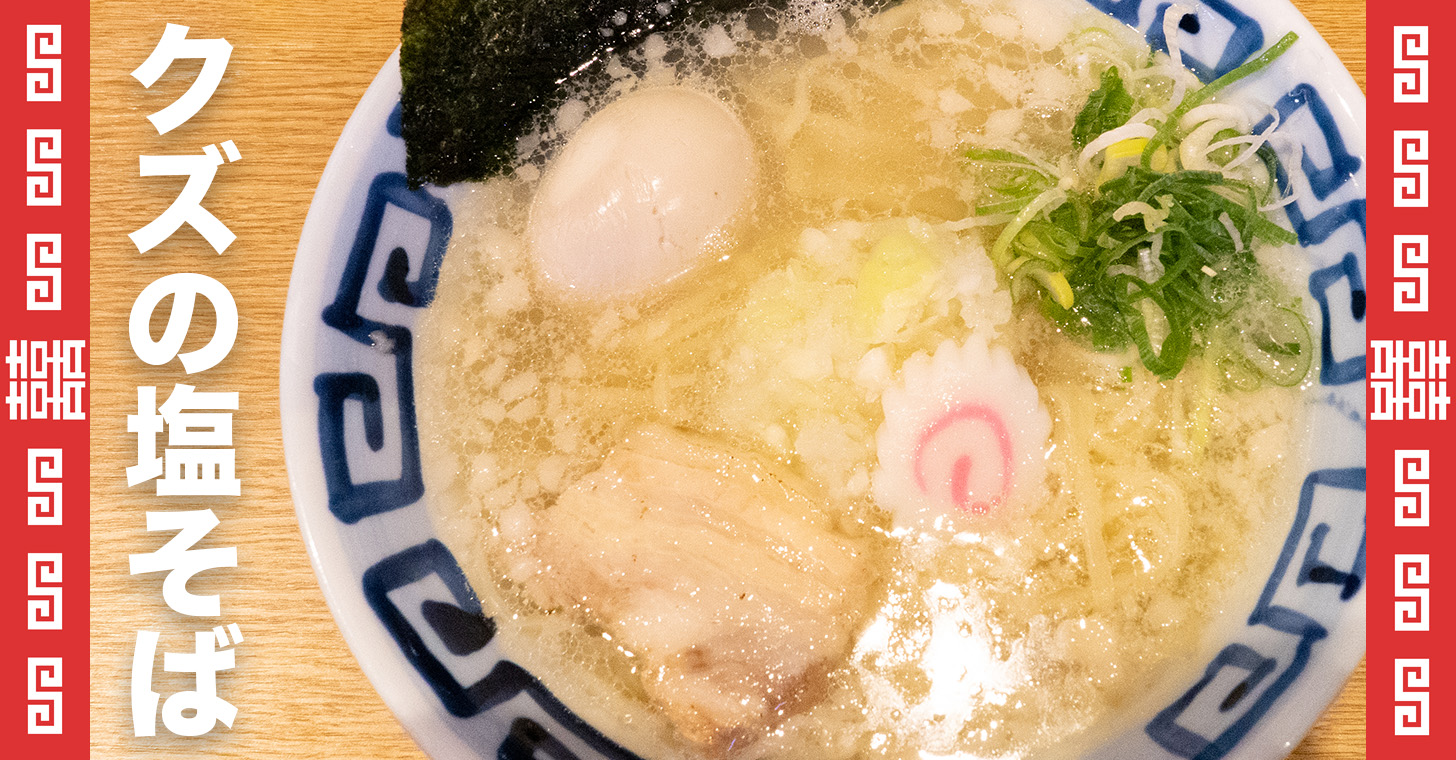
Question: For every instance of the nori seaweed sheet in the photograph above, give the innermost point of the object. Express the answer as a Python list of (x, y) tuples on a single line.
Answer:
[(477, 72)]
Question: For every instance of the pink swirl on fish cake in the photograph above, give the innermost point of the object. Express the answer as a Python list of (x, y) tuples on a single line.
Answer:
[(963, 466)]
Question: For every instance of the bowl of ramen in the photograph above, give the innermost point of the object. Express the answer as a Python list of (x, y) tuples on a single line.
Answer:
[(942, 378)]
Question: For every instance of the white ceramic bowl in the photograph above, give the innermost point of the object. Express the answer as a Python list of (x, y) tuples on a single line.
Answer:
[(413, 621)]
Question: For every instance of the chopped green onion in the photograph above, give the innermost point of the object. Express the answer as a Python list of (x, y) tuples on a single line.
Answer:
[(1202, 94), (1155, 258)]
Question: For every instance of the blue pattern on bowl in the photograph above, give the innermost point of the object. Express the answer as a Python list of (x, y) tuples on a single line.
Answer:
[(409, 613)]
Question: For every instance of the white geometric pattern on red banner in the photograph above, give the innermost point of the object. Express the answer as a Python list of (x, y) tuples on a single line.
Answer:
[(47, 379), (43, 271), (1408, 380), (43, 592), (42, 167), (43, 62), (43, 695), (1411, 274), (1412, 46), (1412, 592), (1412, 488), (1412, 181), (1412, 697)]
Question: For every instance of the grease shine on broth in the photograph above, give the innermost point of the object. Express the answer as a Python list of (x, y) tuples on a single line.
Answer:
[(680, 498)]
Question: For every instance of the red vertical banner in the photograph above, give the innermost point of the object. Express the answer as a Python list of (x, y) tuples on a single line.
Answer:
[(44, 445), (1410, 443)]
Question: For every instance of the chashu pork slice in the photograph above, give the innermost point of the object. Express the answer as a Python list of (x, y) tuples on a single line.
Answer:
[(733, 588)]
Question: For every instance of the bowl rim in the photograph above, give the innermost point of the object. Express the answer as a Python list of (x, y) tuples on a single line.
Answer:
[(302, 461)]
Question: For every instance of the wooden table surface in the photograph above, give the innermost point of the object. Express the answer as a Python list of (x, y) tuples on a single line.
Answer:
[(298, 68)]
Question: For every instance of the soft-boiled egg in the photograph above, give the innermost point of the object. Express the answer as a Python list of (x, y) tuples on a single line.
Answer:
[(641, 194)]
